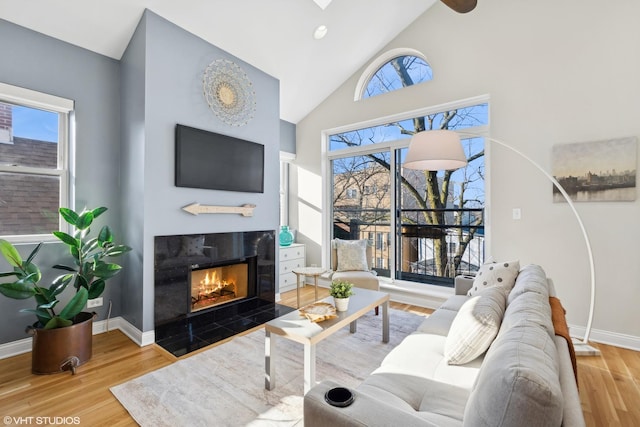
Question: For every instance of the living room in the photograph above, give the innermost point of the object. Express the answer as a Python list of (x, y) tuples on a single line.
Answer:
[(553, 74)]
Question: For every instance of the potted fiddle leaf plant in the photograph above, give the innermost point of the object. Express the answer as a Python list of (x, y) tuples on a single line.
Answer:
[(62, 333), (341, 290)]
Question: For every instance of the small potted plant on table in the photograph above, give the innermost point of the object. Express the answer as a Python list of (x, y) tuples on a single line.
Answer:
[(341, 291)]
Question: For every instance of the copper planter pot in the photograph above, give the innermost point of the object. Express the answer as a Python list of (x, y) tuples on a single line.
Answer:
[(62, 349)]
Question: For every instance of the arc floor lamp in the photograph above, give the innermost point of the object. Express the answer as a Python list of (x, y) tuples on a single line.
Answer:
[(442, 150)]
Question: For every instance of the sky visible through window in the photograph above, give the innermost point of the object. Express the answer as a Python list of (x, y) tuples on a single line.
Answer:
[(387, 78), (35, 124)]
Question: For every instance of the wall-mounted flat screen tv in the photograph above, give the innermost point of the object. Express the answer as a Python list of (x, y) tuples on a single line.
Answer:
[(218, 162)]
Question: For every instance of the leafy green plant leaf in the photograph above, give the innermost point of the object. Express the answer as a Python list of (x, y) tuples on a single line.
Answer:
[(60, 284), (16, 290), (33, 273), (68, 215), (105, 236), (10, 253), (42, 314), (85, 220), (75, 253), (76, 304), (57, 322), (64, 267), (117, 250), (98, 211), (96, 288), (106, 270), (9, 273), (33, 253), (90, 245), (67, 239), (49, 305)]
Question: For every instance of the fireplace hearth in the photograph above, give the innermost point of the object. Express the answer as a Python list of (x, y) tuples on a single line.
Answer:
[(209, 287)]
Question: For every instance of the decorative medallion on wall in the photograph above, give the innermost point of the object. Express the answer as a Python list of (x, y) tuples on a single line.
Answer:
[(229, 92)]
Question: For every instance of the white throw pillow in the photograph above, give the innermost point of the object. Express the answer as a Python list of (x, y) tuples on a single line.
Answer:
[(475, 326), (495, 274), (352, 255)]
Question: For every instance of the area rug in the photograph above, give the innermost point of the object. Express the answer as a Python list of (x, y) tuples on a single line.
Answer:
[(224, 386)]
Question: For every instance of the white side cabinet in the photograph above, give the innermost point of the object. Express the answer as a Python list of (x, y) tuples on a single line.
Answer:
[(290, 257)]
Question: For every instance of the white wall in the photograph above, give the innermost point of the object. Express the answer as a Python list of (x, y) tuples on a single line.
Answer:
[(556, 72)]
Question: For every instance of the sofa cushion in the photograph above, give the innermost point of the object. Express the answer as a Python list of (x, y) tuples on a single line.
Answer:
[(438, 322), (475, 326), (444, 403), (422, 355), (519, 381), (532, 278), (529, 307), (360, 279), (352, 255), (495, 274), (454, 302)]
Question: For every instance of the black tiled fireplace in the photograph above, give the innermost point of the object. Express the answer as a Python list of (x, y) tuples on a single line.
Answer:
[(209, 287)]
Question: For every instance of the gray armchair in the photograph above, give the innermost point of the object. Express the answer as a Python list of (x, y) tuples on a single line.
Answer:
[(366, 279)]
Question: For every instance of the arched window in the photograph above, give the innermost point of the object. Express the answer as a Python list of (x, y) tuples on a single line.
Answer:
[(391, 71)]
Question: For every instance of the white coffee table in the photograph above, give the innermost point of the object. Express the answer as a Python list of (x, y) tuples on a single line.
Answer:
[(297, 328)]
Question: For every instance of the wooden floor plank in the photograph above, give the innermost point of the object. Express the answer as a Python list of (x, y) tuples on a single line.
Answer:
[(609, 385)]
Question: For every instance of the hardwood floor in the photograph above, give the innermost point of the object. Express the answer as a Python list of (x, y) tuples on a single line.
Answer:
[(609, 385)]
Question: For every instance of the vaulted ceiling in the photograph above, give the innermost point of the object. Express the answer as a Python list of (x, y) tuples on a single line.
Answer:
[(275, 36)]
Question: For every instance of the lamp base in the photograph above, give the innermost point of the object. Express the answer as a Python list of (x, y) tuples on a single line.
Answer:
[(583, 349)]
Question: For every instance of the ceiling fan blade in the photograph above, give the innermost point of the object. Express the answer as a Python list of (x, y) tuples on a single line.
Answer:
[(461, 6)]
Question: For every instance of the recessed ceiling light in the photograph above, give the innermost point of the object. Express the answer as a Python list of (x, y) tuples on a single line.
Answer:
[(320, 32)]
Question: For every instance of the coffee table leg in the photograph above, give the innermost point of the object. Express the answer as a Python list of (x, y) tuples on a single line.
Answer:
[(269, 365), (315, 281), (298, 289), (353, 326), (309, 366), (385, 321)]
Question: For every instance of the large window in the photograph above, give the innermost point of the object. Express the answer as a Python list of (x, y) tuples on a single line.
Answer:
[(34, 170), (423, 226)]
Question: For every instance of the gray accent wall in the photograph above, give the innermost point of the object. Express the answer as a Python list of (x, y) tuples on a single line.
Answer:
[(287, 137), (162, 81), (38, 62), (126, 112)]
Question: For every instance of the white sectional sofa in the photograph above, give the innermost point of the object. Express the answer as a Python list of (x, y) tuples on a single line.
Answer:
[(525, 378)]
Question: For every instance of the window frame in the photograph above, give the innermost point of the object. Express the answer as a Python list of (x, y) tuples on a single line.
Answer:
[(285, 160), (329, 155), (64, 108), (379, 62)]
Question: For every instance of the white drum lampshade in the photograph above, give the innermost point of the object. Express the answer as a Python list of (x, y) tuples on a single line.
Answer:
[(435, 150)]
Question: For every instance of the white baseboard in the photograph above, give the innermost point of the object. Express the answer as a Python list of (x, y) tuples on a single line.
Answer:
[(606, 337), (15, 348), (135, 334)]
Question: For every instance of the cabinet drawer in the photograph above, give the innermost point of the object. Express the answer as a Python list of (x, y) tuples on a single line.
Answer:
[(292, 252), (288, 266), (287, 281)]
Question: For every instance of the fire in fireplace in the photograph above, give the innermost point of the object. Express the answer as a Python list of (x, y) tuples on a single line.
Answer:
[(218, 285)]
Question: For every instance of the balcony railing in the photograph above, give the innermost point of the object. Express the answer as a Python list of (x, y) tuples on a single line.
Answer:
[(432, 246)]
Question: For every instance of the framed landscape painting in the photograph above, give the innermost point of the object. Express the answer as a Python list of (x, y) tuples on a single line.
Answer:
[(596, 171)]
